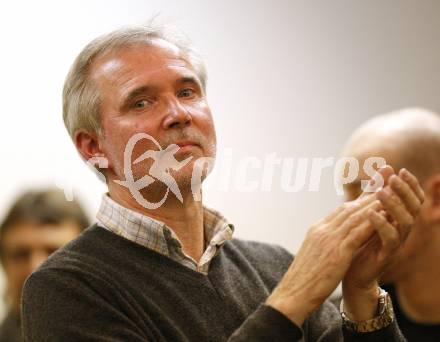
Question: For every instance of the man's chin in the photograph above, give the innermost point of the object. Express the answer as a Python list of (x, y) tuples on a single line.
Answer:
[(183, 177), (187, 175)]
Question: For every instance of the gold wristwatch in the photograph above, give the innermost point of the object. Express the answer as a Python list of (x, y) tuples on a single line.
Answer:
[(385, 316)]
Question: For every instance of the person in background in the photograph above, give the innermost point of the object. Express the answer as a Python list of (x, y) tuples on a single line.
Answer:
[(37, 224), (409, 138)]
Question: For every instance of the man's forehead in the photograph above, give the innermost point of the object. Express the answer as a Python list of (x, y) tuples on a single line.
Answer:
[(155, 55), (38, 232), (371, 146)]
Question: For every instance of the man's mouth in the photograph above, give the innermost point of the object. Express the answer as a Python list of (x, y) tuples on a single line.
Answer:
[(186, 144)]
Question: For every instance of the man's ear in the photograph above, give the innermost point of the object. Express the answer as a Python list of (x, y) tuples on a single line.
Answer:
[(87, 145), (90, 149), (431, 209)]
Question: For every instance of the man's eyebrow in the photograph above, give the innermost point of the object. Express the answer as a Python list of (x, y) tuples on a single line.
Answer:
[(133, 93), (188, 79)]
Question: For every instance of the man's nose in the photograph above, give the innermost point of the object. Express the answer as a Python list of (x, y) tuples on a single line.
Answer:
[(177, 115)]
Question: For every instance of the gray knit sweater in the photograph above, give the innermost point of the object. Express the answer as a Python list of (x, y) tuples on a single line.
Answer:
[(102, 287)]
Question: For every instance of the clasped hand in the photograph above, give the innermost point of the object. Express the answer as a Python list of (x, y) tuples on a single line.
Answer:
[(353, 244)]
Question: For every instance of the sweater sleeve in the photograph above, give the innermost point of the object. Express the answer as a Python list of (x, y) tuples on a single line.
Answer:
[(324, 325), (267, 324), (57, 306)]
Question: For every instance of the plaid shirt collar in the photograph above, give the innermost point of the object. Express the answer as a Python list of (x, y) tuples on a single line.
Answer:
[(156, 235)]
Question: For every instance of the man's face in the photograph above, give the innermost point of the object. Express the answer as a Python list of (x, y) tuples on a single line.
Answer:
[(154, 90), (25, 246)]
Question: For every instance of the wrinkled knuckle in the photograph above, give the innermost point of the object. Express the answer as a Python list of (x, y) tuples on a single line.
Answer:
[(345, 206), (407, 220), (315, 231), (318, 237), (377, 203), (353, 220), (354, 206), (410, 221)]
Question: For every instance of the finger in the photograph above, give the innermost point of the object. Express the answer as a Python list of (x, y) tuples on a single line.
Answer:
[(394, 206), (345, 209), (356, 219), (388, 217), (335, 213), (386, 171), (349, 208), (389, 236), (357, 237), (413, 183), (406, 194), (379, 180)]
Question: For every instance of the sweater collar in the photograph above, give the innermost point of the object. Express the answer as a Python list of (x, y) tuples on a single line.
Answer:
[(156, 235)]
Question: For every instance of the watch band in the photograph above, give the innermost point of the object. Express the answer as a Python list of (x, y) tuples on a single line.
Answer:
[(385, 316)]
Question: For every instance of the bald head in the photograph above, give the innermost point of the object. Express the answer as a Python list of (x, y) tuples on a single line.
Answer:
[(407, 138)]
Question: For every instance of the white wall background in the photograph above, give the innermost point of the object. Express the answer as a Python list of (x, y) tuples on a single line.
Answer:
[(291, 77)]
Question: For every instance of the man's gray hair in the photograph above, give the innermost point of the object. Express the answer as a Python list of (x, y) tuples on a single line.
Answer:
[(81, 100)]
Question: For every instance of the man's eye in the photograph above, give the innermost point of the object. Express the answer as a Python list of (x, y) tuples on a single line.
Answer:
[(187, 92), (141, 104), (19, 255)]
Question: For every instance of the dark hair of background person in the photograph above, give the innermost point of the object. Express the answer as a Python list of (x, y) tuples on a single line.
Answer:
[(42, 207)]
